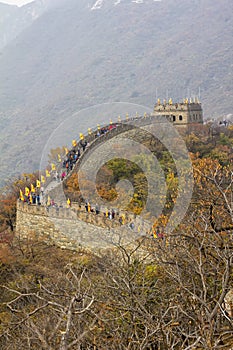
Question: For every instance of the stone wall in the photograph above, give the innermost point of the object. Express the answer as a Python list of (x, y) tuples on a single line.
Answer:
[(74, 228)]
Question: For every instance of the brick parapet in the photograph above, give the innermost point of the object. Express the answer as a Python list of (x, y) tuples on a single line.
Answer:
[(74, 228)]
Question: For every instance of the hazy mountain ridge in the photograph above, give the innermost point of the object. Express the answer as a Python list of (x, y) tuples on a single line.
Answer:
[(14, 19), (98, 4), (72, 57)]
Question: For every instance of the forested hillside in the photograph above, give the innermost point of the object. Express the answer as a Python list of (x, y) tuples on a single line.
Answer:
[(178, 296)]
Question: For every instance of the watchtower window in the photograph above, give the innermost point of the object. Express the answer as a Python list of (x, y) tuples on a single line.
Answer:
[(174, 118), (180, 117)]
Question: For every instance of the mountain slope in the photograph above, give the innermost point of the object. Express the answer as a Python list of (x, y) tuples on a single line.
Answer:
[(77, 54), (13, 19)]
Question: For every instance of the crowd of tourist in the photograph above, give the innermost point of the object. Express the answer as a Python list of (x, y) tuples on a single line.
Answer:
[(74, 154), (36, 195)]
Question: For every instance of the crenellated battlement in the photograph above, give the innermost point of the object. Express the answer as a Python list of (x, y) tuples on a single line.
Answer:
[(75, 228), (181, 113), (77, 211)]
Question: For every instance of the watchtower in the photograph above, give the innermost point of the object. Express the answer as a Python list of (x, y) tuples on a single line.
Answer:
[(182, 114)]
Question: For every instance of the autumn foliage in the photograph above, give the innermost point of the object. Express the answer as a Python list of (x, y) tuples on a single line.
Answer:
[(171, 298)]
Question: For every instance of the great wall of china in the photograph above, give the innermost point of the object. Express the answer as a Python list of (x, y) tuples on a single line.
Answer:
[(74, 227)]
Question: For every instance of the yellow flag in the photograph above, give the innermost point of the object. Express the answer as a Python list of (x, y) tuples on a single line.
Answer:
[(98, 126), (81, 136), (38, 183), (47, 173), (30, 198), (42, 179), (110, 121), (32, 188), (68, 202), (27, 191), (59, 157), (21, 197), (53, 166), (74, 143), (48, 201), (66, 150), (89, 131), (127, 116), (119, 118)]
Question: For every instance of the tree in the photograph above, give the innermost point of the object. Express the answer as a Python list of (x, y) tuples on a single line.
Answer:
[(46, 308), (9, 195), (197, 260)]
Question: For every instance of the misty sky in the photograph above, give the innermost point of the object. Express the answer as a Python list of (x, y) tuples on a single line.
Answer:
[(16, 2)]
